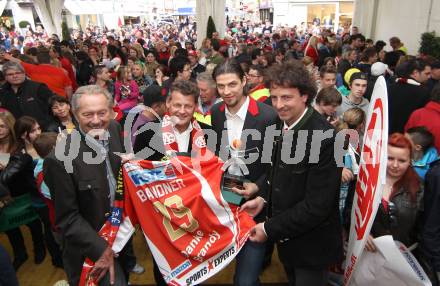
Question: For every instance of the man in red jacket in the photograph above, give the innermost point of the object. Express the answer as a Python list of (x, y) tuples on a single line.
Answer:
[(428, 116), (56, 53)]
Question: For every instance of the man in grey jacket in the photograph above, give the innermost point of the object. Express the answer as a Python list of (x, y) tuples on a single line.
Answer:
[(358, 86)]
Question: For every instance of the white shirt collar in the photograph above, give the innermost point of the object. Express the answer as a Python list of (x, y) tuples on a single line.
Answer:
[(183, 139), (241, 112), (187, 130), (296, 122)]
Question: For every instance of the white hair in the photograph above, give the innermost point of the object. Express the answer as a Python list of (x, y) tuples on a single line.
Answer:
[(89, 90)]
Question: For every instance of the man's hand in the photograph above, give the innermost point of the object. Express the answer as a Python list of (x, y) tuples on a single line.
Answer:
[(104, 264), (347, 175), (253, 207), (126, 157), (257, 233), (369, 246), (334, 121), (250, 189)]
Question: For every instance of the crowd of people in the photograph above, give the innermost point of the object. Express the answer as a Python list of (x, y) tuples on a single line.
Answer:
[(256, 76)]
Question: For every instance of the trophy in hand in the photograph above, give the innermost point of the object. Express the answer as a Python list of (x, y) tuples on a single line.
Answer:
[(234, 176)]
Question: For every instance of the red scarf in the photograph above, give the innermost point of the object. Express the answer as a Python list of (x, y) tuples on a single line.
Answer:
[(107, 232), (169, 138)]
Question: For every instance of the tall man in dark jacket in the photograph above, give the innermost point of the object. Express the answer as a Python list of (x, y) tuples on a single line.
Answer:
[(431, 224), (407, 93), (302, 191), (83, 187), (22, 96), (239, 117)]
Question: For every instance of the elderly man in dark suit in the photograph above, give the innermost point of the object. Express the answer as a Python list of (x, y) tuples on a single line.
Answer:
[(83, 187), (239, 119), (303, 214)]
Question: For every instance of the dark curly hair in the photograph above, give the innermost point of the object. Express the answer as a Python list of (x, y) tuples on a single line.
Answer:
[(292, 74)]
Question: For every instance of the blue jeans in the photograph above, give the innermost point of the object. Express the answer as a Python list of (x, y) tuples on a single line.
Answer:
[(249, 262)]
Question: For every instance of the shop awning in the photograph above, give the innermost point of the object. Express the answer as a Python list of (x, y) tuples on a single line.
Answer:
[(126, 8)]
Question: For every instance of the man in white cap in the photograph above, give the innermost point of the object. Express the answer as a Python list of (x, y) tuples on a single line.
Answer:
[(377, 69)]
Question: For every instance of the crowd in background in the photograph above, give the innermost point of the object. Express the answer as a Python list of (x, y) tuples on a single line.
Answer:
[(138, 64)]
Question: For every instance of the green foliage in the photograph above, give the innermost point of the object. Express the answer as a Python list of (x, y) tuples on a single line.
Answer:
[(430, 45), (65, 31), (211, 28), (23, 24)]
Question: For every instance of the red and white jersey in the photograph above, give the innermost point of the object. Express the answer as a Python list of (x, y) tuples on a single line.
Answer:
[(191, 230)]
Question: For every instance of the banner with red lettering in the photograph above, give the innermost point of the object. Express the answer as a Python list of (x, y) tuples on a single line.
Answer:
[(190, 229), (371, 177)]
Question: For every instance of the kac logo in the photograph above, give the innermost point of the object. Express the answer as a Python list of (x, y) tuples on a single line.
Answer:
[(168, 138)]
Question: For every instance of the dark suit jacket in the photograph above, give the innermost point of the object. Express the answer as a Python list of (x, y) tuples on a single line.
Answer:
[(403, 99), (303, 201), (81, 201), (32, 99), (258, 117)]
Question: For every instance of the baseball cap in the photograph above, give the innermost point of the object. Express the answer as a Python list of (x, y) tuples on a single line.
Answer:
[(152, 95), (348, 74), (358, 75), (378, 69)]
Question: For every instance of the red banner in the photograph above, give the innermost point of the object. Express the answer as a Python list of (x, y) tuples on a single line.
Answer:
[(191, 230)]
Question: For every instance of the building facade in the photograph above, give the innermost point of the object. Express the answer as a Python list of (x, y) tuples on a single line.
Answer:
[(327, 13)]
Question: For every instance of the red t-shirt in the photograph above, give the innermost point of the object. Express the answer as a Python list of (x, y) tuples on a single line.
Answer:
[(55, 78), (67, 65)]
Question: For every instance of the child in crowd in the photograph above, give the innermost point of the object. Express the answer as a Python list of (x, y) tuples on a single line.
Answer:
[(43, 145), (424, 151), (354, 118), (326, 102), (126, 90)]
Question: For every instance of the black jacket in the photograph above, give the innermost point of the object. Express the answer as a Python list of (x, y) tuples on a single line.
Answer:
[(243, 58), (431, 229), (18, 175), (259, 116), (32, 99), (84, 72), (81, 199), (324, 52), (343, 67), (303, 198), (402, 221), (196, 70), (403, 99)]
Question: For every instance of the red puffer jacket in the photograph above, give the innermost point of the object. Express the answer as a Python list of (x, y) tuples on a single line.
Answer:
[(428, 116)]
